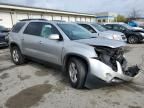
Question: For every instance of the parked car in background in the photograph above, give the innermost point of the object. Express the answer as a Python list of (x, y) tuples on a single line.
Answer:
[(82, 56), (102, 32), (3, 36), (133, 35)]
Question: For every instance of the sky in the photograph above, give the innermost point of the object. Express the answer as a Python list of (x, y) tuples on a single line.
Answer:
[(123, 7)]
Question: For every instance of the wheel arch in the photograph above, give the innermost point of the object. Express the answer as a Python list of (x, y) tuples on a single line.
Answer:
[(12, 44), (71, 55)]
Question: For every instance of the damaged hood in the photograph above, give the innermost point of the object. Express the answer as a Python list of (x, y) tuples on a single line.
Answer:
[(102, 42)]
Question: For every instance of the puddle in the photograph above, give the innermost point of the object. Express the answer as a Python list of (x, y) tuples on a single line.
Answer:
[(4, 76), (8, 68), (24, 77), (134, 107), (28, 97), (5, 57), (41, 73)]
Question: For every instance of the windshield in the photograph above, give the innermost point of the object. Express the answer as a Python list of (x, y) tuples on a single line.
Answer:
[(99, 27), (127, 26), (75, 32)]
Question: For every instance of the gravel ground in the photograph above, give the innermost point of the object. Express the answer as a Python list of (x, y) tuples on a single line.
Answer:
[(34, 85)]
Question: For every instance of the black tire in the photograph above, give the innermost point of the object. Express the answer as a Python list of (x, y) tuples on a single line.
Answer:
[(81, 72), (133, 40), (20, 60)]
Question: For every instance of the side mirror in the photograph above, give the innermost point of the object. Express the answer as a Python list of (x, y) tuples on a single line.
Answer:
[(54, 37)]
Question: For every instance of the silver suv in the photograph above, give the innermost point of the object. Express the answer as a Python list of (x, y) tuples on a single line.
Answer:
[(69, 45), (101, 32)]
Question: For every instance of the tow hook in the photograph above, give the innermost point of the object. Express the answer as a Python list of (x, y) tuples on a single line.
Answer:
[(132, 71)]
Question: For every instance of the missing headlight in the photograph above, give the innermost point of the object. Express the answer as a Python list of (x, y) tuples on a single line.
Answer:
[(109, 56)]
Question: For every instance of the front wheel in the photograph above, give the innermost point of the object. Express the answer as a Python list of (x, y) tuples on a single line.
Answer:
[(77, 70), (133, 39), (16, 56)]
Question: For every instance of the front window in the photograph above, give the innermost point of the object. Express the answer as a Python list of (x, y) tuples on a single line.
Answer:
[(127, 26), (75, 32), (99, 27)]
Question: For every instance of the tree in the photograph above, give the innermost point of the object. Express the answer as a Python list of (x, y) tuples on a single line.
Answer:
[(134, 14), (120, 18)]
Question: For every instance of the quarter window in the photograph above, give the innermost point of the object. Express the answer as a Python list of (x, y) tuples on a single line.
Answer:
[(18, 27)]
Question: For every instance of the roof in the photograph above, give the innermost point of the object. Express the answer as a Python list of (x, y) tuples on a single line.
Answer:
[(46, 10)]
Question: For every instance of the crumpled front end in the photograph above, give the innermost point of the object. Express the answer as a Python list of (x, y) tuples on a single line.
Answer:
[(110, 66)]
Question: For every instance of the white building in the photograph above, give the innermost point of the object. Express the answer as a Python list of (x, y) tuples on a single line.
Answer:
[(10, 14), (105, 17)]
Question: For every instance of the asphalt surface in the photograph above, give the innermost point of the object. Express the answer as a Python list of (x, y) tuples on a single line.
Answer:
[(34, 85)]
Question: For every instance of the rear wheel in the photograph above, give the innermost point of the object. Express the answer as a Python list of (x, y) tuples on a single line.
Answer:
[(133, 39), (16, 56), (77, 70)]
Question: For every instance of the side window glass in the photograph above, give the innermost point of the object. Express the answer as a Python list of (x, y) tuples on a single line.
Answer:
[(122, 28), (89, 28), (48, 29), (108, 26), (115, 27), (34, 28), (18, 27)]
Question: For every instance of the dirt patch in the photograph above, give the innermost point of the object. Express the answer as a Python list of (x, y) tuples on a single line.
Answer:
[(5, 57), (24, 77), (41, 73), (116, 103), (0, 84), (59, 87), (8, 68), (28, 97), (134, 107), (46, 82), (4, 76)]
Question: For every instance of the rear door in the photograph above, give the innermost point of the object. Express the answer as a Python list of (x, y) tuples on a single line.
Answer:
[(32, 39)]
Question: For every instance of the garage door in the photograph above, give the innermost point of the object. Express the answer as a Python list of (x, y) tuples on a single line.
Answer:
[(88, 19), (56, 17), (78, 19), (48, 17), (65, 18), (93, 20), (20, 16), (83, 19), (72, 19), (5, 19)]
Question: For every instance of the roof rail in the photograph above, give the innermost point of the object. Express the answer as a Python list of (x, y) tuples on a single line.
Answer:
[(33, 19)]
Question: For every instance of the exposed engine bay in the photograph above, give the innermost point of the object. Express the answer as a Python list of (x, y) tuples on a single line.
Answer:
[(110, 56)]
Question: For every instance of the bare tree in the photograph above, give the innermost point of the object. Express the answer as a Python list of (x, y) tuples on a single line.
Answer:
[(134, 14)]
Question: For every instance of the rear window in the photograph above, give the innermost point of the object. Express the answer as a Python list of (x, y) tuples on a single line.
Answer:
[(18, 27)]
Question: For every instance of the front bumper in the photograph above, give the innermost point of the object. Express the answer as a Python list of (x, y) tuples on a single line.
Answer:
[(104, 72)]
